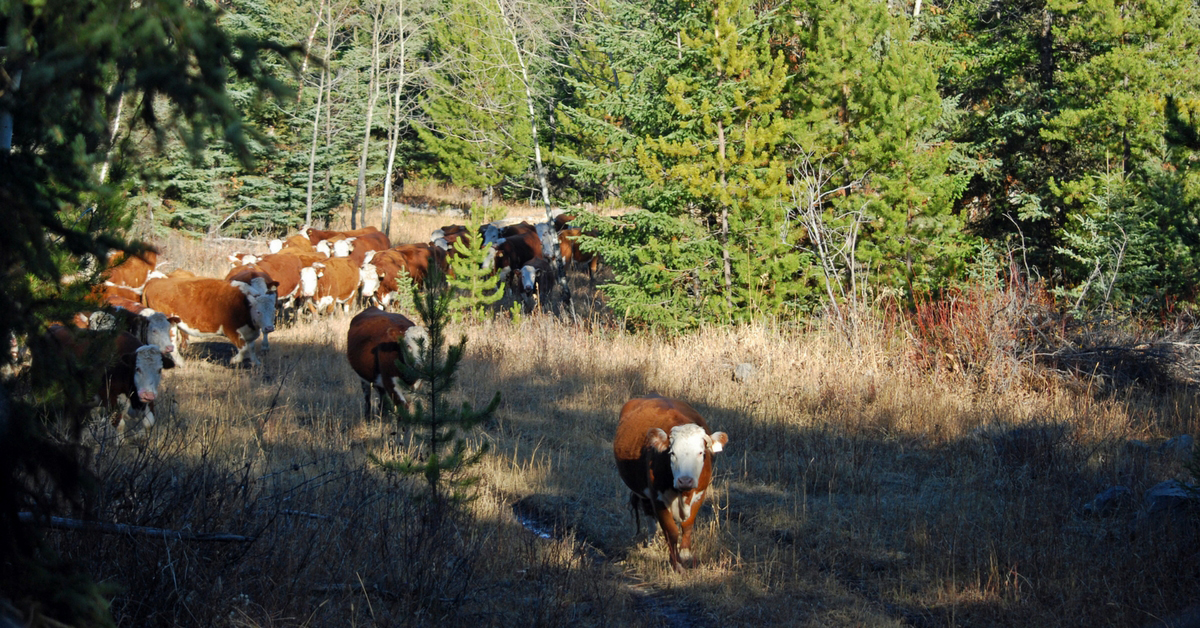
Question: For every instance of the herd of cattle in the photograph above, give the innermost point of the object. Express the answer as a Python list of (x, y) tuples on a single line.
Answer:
[(663, 447), (315, 269)]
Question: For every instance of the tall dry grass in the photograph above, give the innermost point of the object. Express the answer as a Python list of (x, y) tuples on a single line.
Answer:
[(873, 487)]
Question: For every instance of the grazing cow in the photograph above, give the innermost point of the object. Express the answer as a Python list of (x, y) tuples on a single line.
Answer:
[(215, 308), (130, 271), (537, 281), (126, 375), (386, 266), (337, 280), (664, 453), (373, 348), (513, 252), (568, 242)]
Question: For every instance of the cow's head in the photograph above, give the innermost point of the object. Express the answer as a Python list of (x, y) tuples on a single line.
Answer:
[(529, 274), (442, 243), (414, 337), (689, 446), (369, 256), (493, 255), (158, 329), (323, 248), (491, 234), (262, 306), (368, 277), (342, 248), (147, 372), (437, 234), (275, 245), (308, 280)]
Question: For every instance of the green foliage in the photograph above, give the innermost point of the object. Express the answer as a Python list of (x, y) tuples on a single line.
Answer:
[(475, 287), (444, 459), (76, 61), (865, 95), (478, 126)]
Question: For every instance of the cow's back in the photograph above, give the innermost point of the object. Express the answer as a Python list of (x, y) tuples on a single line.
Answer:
[(203, 303), (373, 341)]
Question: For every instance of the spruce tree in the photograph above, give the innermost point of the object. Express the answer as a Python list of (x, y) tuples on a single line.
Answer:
[(477, 287), (443, 459)]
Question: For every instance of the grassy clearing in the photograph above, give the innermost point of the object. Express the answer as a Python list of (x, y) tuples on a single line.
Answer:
[(872, 487)]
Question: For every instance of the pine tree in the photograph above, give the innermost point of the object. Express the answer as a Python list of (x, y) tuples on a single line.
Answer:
[(444, 459), (66, 68), (865, 95), (472, 281)]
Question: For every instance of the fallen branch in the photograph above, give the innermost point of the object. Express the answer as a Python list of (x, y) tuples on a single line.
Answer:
[(63, 523)]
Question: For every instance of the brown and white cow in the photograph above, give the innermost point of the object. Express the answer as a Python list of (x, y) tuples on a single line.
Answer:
[(664, 453), (214, 308), (147, 325), (294, 242), (511, 253), (125, 375), (130, 271), (261, 282), (337, 280), (568, 242), (373, 348)]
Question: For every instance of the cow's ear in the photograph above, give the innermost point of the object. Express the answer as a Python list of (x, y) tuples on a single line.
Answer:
[(174, 320), (657, 440), (274, 286), (719, 440)]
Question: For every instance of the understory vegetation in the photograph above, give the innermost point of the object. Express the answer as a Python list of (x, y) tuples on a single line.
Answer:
[(933, 474)]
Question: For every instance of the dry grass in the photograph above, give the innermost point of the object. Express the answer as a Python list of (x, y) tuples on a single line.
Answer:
[(869, 488)]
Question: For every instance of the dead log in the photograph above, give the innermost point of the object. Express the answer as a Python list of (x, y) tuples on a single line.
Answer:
[(63, 523)]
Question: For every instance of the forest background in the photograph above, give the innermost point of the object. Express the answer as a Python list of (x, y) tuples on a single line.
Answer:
[(785, 155)]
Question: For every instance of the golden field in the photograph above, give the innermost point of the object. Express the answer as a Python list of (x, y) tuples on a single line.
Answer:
[(862, 486)]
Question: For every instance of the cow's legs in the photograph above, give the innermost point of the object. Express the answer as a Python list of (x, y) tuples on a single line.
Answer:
[(366, 388), (671, 531)]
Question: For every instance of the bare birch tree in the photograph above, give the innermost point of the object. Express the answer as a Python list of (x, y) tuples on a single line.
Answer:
[(360, 188)]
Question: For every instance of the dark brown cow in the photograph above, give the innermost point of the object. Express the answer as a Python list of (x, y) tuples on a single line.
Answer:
[(130, 270), (536, 281), (664, 453), (568, 243), (373, 348), (125, 374), (337, 280), (215, 308), (513, 252)]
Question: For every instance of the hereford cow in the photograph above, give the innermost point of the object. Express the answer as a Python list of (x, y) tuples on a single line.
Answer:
[(373, 348), (513, 252), (295, 242), (125, 375), (147, 325), (130, 271), (664, 453), (337, 280), (215, 308), (568, 242), (261, 282)]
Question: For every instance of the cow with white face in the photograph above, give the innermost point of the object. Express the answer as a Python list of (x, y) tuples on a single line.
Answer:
[(213, 308), (664, 452)]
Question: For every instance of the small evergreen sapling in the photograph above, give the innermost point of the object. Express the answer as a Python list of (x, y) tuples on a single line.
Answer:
[(444, 457), (477, 287)]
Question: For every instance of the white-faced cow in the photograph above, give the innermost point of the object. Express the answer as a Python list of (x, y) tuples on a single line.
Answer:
[(373, 348), (214, 308), (124, 373), (537, 282), (337, 280), (664, 453)]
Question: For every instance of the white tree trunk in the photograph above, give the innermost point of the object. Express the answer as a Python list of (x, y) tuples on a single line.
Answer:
[(360, 188), (316, 132), (533, 126)]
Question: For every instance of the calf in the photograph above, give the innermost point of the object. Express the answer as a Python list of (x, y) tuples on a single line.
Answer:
[(215, 308), (664, 453), (124, 375), (373, 348), (513, 252)]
